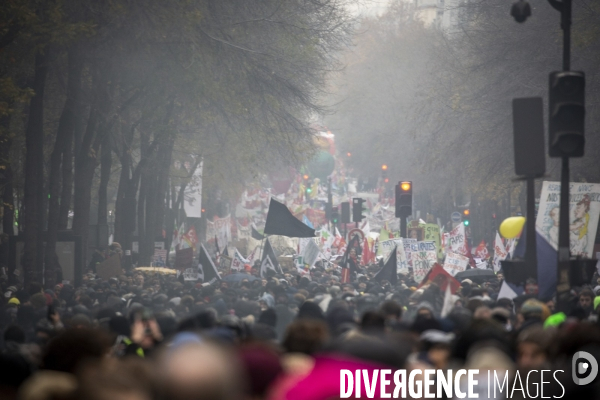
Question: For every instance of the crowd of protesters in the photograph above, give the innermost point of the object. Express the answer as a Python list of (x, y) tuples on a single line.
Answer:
[(148, 336)]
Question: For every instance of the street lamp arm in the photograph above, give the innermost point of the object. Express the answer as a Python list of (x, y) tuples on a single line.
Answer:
[(557, 5)]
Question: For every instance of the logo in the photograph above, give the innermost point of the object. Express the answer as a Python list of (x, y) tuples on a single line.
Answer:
[(583, 363)]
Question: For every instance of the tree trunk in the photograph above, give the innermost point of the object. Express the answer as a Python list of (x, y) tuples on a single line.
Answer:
[(145, 253), (105, 166), (34, 174), (61, 148), (85, 164), (6, 183)]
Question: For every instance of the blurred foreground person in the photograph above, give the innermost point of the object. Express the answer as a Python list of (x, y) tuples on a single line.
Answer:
[(199, 371)]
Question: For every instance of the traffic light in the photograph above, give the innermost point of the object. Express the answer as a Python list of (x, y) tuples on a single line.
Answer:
[(384, 173), (466, 215), (345, 212), (404, 192), (357, 209), (567, 114), (335, 215)]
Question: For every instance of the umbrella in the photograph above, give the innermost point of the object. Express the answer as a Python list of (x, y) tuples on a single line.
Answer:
[(238, 277), (476, 275)]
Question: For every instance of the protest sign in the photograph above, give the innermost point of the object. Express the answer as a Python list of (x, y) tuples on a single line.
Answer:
[(160, 258), (424, 256), (407, 251), (401, 260), (386, 247), (432, 234), (457, 242), (584, 210), (310, 253), (455, 263), (191, 274), (110, 267)]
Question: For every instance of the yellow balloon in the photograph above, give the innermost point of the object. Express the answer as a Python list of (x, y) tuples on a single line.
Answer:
[(511, 227)]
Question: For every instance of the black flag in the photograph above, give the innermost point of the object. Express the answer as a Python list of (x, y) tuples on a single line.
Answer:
[(350, 258), (280, 221), (225, 251), (207, 268), (268, 252), (388, 271), (256, 234), (266, 265)]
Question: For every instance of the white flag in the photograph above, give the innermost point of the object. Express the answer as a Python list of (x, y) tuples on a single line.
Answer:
[(506, 292), (500, 252)]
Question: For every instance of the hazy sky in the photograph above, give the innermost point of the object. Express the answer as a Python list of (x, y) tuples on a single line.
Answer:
[(370, 7)]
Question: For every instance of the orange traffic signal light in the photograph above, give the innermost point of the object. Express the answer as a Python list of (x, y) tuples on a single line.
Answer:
[(305, 177), (466, 212), (349, 154), (384, 167), (405, 186)]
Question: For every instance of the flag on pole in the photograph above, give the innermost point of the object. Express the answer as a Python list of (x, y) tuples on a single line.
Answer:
[(206, 268), (266, 265), (268, 252), (280, 221), (388, 272), (256, 234)]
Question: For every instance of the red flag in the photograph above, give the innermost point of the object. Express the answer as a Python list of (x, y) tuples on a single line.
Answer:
[(442, 278), (481, 251)]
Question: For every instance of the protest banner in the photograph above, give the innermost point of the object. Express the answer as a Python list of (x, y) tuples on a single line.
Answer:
[(432, 234), (385, 247), (584, 210), (159, 258), (424, 256), (310, 253), (455, 263), (219, 228), (500, 253), (401, 260), (237, 263), (457, 242), (110, 267), (191, 274)]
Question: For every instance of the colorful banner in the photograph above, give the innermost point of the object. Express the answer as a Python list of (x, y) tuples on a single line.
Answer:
[(455, 263), (584, 210), (432, 234)]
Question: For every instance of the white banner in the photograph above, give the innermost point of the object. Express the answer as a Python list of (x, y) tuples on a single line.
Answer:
[(500, 252), (455, 263), (237, 263), (401, 260), (310, 253), (457, 242), (424, 256), (192, 198), (221, 228)]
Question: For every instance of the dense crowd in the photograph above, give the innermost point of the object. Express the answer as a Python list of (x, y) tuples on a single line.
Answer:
[(148, 336)]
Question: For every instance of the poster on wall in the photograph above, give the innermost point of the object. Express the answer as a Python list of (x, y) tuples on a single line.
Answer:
[(584, 210)]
